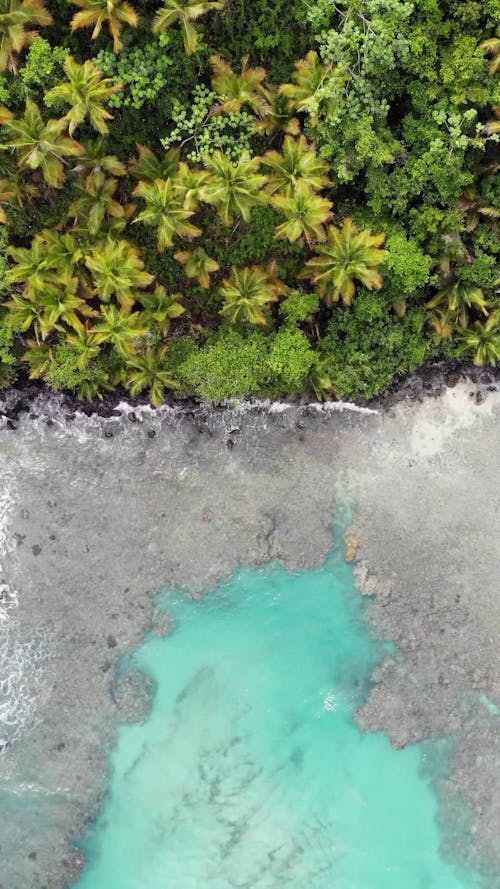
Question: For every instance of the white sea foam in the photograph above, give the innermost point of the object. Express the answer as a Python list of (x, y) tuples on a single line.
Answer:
[(22, 663)]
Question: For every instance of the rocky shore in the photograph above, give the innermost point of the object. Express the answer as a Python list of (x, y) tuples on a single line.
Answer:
[(100, 512)]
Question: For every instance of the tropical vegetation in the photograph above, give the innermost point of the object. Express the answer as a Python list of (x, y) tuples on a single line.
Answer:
[(226, 199)]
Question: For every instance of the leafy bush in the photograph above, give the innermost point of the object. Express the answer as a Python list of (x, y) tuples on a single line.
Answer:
[(290, 361), (201, 132), (228, 366), (364, 347)]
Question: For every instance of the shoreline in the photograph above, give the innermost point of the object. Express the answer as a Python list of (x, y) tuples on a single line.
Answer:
[(429, 381), (95, 528)]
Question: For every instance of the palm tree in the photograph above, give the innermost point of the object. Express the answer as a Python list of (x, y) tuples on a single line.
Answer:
[(151, 370), (119, 327), (197, 264), (350, 256), (492, 47), (85, 344), (319, 381), (279, 116), (305, 214), (148, 166), (117, 270), (297, 162), (189, 183), (45, 311), (95, 203), (49, 260), (471, 204), (185, 12), (96, 13), (306, 92), (159, 307), (63, 252), (483, 340), (25, 312), (443, 322), (233, 188), (40, 358), (95, 160), (61, 305), (457, 298), (15, 17), (86, 91), (39, 145), (237, 90), (166, 210), (492, 127), (247, 291)]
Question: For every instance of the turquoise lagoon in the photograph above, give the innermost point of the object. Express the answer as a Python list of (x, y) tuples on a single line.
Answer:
[(250, 772)]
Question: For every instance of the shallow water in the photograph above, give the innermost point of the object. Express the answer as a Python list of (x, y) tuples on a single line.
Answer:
[(250, 770)]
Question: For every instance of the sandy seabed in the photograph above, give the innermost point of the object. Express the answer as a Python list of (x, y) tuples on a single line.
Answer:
[(97, 515)]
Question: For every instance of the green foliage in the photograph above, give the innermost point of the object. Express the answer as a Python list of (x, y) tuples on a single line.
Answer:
[(142, 70), (407, 268), (62, 371), (290, 361), (201, 132), (43, 67), (229, 366), (366, 346), (351, 143), (298, 306)]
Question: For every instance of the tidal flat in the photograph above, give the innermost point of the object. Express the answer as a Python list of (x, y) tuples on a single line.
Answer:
[(99, 515)]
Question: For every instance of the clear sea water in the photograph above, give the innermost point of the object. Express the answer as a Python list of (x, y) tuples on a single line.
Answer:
[(250, 772)]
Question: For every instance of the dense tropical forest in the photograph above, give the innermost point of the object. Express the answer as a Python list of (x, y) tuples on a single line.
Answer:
[(232, 198)]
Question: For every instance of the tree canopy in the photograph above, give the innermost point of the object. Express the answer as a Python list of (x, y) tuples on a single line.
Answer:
[(257, 198)]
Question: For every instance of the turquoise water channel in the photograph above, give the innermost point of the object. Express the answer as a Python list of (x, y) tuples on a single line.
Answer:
[(250, 772)]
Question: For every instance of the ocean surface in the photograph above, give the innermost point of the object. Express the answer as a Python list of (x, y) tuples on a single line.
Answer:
[(250, 772)]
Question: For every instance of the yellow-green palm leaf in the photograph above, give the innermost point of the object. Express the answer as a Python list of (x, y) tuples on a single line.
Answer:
[(305, 212), (349, 257), (310, 90), (39, 145), (237, 90), (120, 328), (248, 291), (297, 162), (16, 20), (458, 298), (95, 204), (184, 12), (113, 13), (160, 307), (492, 47), (87, 92), (166, 210), (483, 341), (234, 188), (197, 264), (151, 370), (117, 270)]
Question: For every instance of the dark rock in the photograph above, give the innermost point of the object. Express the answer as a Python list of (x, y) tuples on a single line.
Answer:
[(111, 640), (151, 433), (36, 549), (452, 379), (230, 443), (108, 434), (132, 417), (11, 425)]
